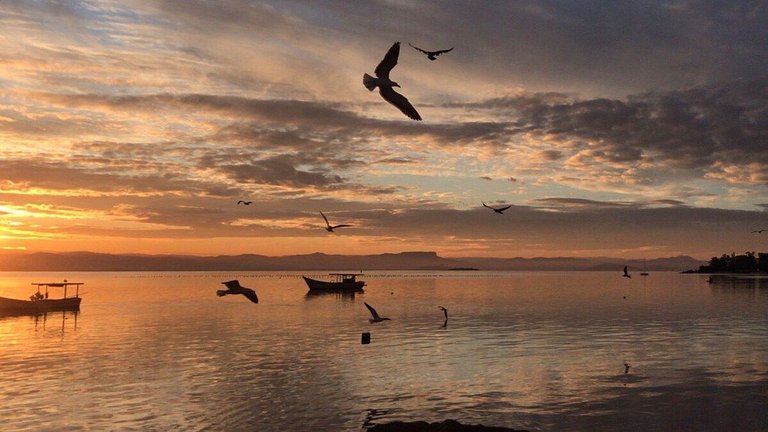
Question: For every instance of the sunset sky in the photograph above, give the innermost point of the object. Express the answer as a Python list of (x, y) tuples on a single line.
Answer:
[(626, 129)]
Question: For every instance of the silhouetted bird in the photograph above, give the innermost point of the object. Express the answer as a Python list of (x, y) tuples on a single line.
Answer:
[(330, 227), (233, 287), (626, 367), (432, 55), (385, 85), (244, 202), (626, 273), (376, 318), (760, 231), (445, 312), (499, 210)]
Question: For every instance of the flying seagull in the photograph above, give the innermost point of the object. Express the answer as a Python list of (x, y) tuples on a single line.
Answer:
[(499, 210), (330, 227), (376, 318), (626, 273), (233, 287), (760, 231), (386, 85), (244, 202), (432, 55), (445, 311)]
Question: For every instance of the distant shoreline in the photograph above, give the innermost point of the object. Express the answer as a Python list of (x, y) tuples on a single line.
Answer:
[(404, 261)]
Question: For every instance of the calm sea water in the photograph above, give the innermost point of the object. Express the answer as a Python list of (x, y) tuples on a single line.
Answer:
[(542, 351)]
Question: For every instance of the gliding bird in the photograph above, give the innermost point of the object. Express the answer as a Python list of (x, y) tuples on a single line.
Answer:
[(233, 287), (386, 85), (330, 227), (244, 202), (760, 231), (499, 210), (376, 318), (432, 55)]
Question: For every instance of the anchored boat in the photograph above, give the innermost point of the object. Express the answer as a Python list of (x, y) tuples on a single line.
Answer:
[(41, 302), (339, 282)]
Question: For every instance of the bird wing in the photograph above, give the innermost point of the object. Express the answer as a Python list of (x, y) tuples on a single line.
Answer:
[(373, 311), (388, 62), (326, 219), (400, 101), (250, 294), (241, 201), (484, 205), (504, 208), (233, 284), (625, 270), (418, 49), (340, 226), (437, 53)]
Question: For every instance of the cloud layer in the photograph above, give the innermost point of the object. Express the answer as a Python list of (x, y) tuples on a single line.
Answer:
[(612, 128)]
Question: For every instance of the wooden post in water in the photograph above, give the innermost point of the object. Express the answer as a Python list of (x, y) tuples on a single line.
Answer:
[(365, 338)]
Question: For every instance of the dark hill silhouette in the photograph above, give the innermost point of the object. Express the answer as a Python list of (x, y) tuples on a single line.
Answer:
[(89, 261)]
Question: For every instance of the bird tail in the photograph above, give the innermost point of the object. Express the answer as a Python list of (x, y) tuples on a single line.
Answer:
[(221, 293), (369, 82)]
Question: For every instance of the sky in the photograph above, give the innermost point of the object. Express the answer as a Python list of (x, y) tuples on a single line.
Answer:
[(624, 129)]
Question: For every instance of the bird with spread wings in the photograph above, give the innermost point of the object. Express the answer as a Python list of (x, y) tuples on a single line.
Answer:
[(386, 85)]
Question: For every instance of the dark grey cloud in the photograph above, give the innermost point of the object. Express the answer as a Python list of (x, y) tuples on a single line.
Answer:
[(278, 170), (699, 129), (39, 173), (613, 48)]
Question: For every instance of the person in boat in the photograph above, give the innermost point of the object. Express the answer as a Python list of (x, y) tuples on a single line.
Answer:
[(36, 296)]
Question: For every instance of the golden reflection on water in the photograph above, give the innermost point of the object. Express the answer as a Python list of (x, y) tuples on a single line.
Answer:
[(542, 351)]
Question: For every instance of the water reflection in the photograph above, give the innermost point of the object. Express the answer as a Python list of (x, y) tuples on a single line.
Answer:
[(343, 295), (43, 319), (536, 351)]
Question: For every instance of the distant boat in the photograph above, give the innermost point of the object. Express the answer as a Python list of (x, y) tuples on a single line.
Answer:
[(339, 282), (463, 269), (39, 302), (645, 270)]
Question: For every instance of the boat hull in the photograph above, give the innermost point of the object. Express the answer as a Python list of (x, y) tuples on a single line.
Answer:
[(317, 285), (8, 305)]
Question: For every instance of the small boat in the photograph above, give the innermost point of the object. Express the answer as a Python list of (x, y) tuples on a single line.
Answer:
[(39, 302), (340, 282)]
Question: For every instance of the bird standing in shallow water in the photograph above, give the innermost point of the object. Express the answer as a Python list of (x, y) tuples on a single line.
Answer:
[(445, 312), (376, 318), (234, 287), (626, 273), (386, 85), (626, 368)]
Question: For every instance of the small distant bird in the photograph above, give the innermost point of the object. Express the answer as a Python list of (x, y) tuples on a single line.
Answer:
[(626, 368), (432, 55), (445, 311), (499, 210), (386, 85), (244, 202), (376, 318), (233, 287), (330, 227), (760, 231), (626, 273)]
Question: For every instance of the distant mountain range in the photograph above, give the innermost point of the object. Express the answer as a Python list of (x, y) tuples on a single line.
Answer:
[(89, 261)]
